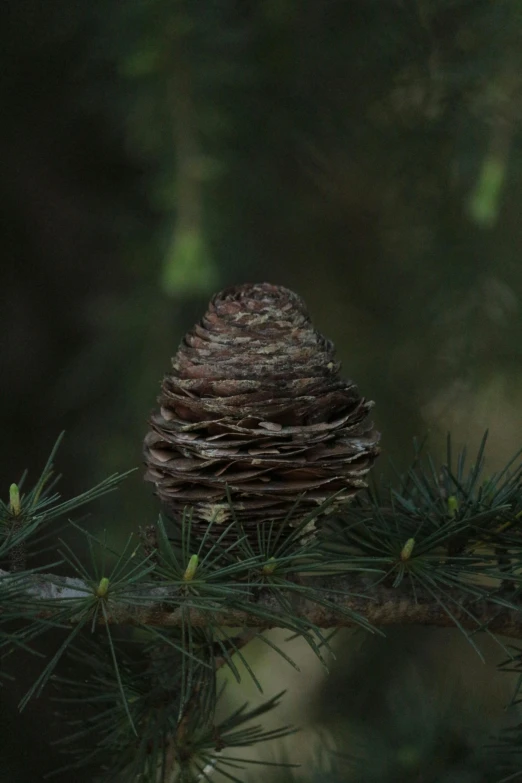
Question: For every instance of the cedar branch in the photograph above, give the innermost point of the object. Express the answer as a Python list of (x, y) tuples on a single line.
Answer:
[(166, 605)]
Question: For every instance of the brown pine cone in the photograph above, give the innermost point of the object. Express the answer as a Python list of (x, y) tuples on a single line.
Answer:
[(255, 403)]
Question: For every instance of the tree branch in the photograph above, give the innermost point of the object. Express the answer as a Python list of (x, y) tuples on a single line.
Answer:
[(166, 605)]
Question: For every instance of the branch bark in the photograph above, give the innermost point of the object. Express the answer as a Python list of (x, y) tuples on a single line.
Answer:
[(164, 605)]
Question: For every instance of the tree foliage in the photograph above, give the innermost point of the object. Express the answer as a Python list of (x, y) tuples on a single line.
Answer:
[(142, 704)]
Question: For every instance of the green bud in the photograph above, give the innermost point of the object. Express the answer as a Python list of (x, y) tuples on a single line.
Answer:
[(270, 567), (190, 571), (407, 549), (453, 505), (14, 499), (103, 587)]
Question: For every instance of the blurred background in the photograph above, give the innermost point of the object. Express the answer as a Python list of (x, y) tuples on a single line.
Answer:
[(366, 154)]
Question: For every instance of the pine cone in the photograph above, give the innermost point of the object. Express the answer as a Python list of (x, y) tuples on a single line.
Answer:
[(255, 403)]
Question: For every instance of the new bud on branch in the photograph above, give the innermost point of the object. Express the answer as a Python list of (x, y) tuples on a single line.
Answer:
[(255, 407)]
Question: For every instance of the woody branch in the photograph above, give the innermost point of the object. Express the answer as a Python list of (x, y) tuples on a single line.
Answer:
[(381, 606)]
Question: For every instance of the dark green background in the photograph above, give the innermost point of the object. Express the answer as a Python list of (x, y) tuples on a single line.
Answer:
[(365, 154)]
